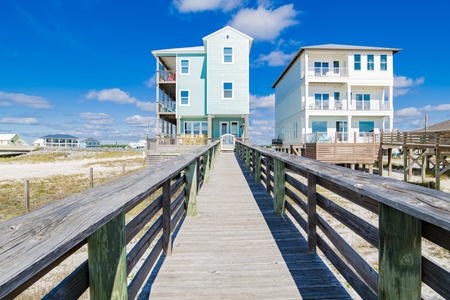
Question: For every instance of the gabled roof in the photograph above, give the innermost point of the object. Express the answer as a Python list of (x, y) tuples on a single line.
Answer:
[(59, 136), (7, 136), (250, 39), (90, 140), (332, 47), (442, 126)]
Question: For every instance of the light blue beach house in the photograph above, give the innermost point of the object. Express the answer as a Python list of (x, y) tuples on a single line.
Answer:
[(204, 91)]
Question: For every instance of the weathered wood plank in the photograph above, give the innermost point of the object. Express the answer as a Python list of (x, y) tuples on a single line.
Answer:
[(400, 261), (436, 277), (312, 215), (32, 242), (279, 187)]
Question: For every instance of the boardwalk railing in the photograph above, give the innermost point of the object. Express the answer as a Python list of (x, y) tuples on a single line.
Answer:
[(315, 193), (33, 244)]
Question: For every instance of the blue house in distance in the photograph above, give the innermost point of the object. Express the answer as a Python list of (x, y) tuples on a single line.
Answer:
[(204, 90), (90, 143)]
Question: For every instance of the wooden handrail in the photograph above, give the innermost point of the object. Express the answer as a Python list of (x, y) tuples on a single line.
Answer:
[(32, 244), (406, 213)]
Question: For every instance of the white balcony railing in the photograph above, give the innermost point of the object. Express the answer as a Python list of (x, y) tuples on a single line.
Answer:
[(374, 105), (326, 72)]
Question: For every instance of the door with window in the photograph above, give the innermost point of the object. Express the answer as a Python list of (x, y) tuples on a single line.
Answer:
[(342, 131), (224, 128)]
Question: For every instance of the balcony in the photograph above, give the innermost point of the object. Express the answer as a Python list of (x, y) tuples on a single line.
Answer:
[(277, 141), (367, 105), (166, 76), (167, 107), (328, 72)]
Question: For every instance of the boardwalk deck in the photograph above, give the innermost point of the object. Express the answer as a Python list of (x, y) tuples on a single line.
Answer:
[(236, 248)]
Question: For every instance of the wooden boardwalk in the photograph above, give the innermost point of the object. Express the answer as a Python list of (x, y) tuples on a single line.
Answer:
[(236, 248)]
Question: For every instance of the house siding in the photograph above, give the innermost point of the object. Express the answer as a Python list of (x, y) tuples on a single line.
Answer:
[(194, 82)]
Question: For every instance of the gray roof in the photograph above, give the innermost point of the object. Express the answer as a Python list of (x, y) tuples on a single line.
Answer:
[(198, 49), (331, 47), (90, 140), (59, 136), (442, 126)]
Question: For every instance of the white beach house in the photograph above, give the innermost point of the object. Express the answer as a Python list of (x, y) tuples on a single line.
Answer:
[(337, 91), (204, 90)]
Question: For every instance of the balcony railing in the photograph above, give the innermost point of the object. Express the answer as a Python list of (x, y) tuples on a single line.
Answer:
[(375, 105), (326, 72), (166, 76), (167, 107)]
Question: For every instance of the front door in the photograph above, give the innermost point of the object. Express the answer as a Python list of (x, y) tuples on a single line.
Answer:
[(224, 128)]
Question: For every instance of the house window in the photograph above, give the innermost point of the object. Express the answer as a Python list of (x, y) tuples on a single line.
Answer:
[(184, 66), (336, 67), (205, 128), (321, 101), (228, 55), (362, 101), (188, 127), (383, 62), (321, 68), (228, 90), (366, 126), (319, 126), (184, 97), (370, 62), (357, 62), (295, 130), (337, 100)]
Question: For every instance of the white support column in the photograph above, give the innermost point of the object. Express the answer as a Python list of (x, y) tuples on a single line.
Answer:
[(349, 129), (246, 123), (306, 65), (157, 96), (306, 95), (391, 97), (178, 125), (349, 96), (210, 127)]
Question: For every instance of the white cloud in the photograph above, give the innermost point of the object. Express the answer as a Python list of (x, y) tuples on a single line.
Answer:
[(97, 121), (262, 102), (20, 121), (94, 116), (25, 100), (186, 6), (409, 112), (151, 82), (113, 95), (403, 84), (275, 58), (146, 106), (264, 23), (261, 131), (138, 120), (120, 97)]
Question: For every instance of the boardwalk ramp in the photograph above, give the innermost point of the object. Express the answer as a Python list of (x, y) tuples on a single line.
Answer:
[(236, 248)]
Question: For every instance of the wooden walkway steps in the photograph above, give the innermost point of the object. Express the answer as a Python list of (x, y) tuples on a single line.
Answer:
[(236, 248)]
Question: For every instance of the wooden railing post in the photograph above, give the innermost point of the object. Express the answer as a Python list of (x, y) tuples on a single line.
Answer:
[(257, 166), (279, 187), (213, 157), (247, 157), (26, 188), (91, 177), (206, 166), (107, 261), (191, 188), (166, 218), (268, 158), (312, 216), (400, 265)]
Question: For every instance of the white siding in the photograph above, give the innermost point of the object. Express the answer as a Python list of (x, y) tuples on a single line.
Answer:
[(195, 83)]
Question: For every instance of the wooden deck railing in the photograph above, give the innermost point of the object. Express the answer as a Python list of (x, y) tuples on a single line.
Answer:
[(33, 244), (411, 138), (313, 193)]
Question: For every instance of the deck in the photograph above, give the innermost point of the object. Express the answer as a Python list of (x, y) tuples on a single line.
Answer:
[(237, 248)]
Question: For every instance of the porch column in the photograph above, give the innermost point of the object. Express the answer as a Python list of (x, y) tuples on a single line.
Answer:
[(245, 128), (178, 129), (306, 95), (349, 129), (210, 127), (306, 64), (391, 94), (349, 96)]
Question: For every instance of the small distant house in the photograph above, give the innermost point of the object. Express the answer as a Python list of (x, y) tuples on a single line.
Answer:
[(90, 143), (12, 140), (142, 144), (60, 141)]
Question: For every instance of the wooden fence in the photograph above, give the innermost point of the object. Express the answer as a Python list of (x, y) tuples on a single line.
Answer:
[(33, 244), (406, 213)]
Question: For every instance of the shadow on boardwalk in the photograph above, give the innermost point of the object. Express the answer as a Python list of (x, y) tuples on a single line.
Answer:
[(312, 277), (236, 248)]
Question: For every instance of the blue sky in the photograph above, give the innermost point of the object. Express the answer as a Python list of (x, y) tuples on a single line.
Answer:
[(84, 67)]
